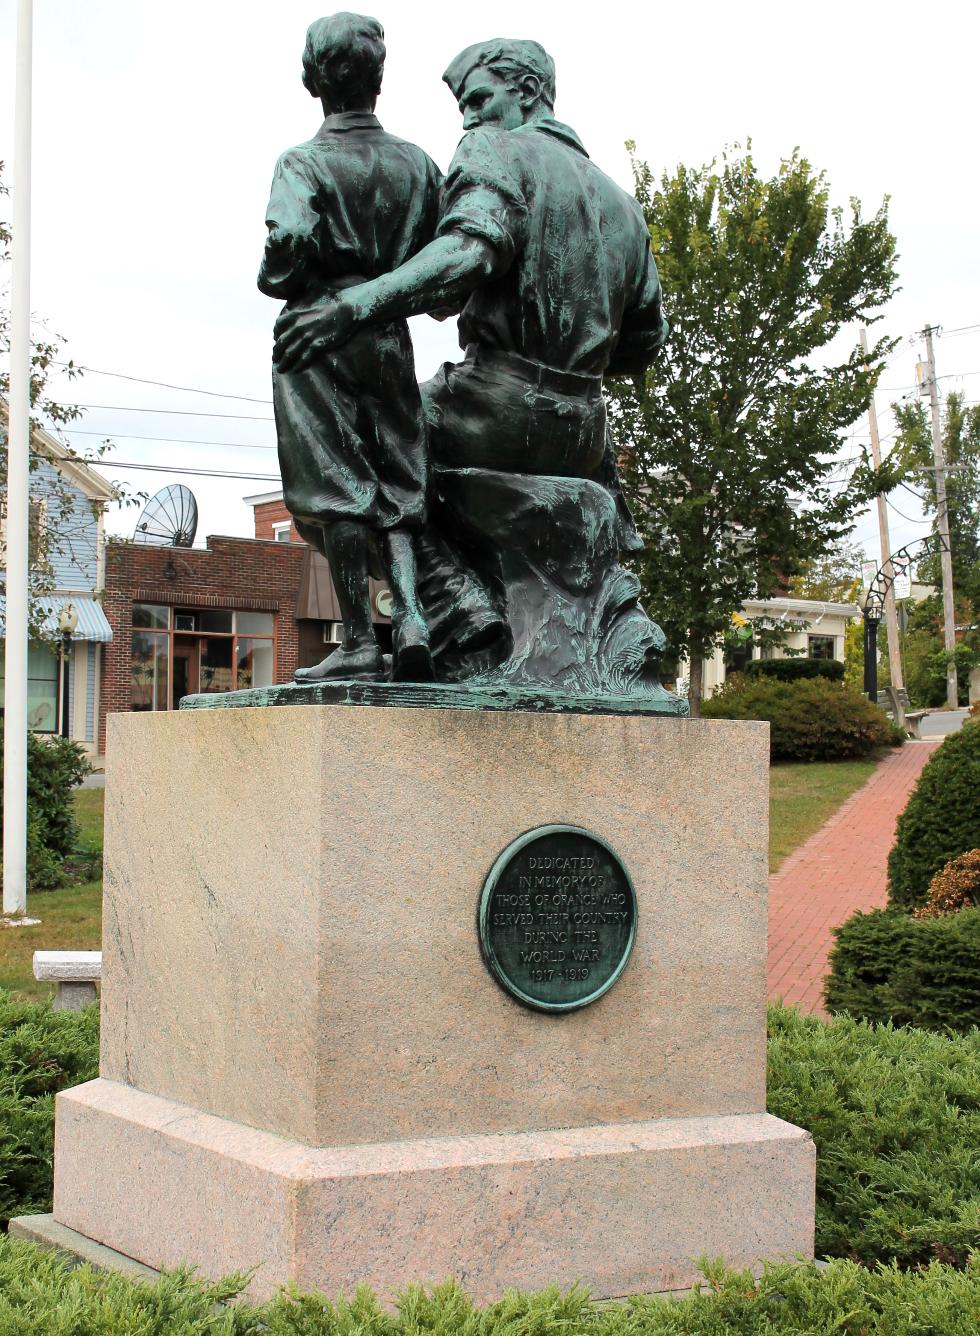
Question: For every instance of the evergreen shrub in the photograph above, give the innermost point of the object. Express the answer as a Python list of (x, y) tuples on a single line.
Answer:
[(941, 820), (55, 766), (41, 1052), (792, 670), (890, 966), (810, 720), (895, 1115), (43, 1294)]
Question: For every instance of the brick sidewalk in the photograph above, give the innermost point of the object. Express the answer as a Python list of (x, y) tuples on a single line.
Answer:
[(840, 869)]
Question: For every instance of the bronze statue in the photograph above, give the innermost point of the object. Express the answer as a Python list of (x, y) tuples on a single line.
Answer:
[(549, 263), (349, 206)]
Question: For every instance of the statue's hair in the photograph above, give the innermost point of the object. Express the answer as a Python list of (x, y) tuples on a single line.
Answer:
[(344, 58), (513, 58)]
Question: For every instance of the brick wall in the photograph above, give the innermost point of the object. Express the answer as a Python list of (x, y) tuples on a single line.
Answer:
[(245, 574), (268, 513)]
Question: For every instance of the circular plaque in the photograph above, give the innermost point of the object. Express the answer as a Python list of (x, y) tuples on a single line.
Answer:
[(557, 918)]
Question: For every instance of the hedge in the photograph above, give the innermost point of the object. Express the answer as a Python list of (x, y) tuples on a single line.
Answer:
[(793, 670), (890, 966), (41, 1052), (941, 820), (42, 1294), (895, 1115), (55, 765), (810, 720)]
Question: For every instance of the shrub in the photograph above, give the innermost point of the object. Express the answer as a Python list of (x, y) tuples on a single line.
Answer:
[(42, 1293), (888, 966), (792, 670), (41, 1052), (954, 887), (55, 766), (810, 720), (941, 820), (895, 1115)]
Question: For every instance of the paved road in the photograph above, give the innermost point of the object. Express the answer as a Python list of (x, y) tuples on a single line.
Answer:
[(840, 869), (942, 722)]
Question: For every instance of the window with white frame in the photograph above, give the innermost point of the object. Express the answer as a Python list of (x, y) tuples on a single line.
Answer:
[(282, 530)]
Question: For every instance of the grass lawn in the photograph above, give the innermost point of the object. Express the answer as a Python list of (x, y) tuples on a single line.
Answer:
[(801, 799), (71, 920), (803, 795)]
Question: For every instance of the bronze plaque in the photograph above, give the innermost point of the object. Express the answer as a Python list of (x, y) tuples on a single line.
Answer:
[(557, 918)]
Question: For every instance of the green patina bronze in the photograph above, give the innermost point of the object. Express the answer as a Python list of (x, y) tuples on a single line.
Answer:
[(557, 918), (489, 497), (475, 694)]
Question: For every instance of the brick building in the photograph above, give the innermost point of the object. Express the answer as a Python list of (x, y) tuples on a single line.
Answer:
[(317, 606), (193, 619)]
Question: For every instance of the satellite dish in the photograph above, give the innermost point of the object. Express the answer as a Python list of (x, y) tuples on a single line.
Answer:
[(169, 518)]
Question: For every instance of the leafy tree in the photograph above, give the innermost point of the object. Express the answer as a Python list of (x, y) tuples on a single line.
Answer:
[(913, 460), (730, 443), (924, 651), (834, 577)]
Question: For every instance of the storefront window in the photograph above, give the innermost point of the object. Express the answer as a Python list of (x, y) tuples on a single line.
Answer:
[(254, 663), (150, 664), (151, 615), (215, 619), (215, 674), (253, 623), (180, 651)]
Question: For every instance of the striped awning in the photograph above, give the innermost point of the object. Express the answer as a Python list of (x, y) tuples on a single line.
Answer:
[(92, 621)]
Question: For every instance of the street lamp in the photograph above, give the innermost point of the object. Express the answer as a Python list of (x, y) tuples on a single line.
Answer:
[(67, 622)]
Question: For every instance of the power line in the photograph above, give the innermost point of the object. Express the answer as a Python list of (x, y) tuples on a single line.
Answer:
[(172, 412), (908, 518), (164, 385), (197, 473), (171, 440)]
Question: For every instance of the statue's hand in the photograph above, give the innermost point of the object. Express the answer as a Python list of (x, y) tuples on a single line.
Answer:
[(301, 335)]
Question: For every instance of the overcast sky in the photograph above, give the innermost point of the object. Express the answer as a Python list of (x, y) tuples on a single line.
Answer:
[(156, 129)]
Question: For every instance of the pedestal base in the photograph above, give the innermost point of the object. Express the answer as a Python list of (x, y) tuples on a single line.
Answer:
[(624, 1208)]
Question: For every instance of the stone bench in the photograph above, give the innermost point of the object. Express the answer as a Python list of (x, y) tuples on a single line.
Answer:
[(913, 722), (74, 972)]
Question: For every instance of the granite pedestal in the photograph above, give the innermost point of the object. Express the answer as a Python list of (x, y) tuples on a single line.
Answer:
[(307, 1068)]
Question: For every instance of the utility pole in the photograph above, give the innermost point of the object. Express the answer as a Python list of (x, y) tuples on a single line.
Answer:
[(18, 468), (942, 520), (891, 611)]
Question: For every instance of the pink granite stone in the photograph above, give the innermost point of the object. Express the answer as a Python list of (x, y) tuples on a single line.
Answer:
[(290, 939), (622, 1208)]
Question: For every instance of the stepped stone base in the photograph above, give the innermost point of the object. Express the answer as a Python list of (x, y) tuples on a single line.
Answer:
[(307, 1067), (623, 1208)]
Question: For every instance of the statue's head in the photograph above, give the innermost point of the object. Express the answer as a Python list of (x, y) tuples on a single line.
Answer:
[(502, 82), (344, 61)]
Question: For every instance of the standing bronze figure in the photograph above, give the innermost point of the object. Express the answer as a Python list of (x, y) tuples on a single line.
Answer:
[(548, 262), (348, 206)]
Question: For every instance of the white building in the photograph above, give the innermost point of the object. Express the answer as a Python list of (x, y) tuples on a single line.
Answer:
[(807, 627)]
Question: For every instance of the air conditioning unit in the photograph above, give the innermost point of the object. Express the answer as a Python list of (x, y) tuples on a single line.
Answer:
[(333, 633)]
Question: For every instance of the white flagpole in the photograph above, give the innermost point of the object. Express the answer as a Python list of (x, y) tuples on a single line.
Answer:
[(18, 469)]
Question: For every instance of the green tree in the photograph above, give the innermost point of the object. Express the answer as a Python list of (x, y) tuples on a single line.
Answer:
[(834, 577), (730, 444), (913, 461)]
